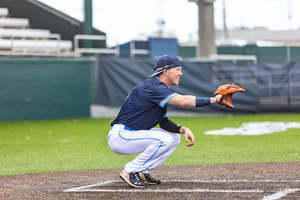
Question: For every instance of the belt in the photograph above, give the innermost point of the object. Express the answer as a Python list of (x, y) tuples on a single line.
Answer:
[(128, 128)]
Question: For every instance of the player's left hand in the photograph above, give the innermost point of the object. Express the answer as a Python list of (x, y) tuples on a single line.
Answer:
[(188, 135), (227, 90)]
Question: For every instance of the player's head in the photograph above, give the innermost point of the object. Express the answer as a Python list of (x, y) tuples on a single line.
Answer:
[(165, 62), (168, 69)]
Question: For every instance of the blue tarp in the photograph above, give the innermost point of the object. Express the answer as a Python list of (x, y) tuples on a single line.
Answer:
[(115, 77)]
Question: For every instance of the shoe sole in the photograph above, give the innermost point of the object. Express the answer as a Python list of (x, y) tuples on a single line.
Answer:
[(151, 183), (127, 181)]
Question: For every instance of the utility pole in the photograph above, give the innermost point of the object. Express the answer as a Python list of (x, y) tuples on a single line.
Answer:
[(160, 22), (226, 36), (289, 14), (206, 28)]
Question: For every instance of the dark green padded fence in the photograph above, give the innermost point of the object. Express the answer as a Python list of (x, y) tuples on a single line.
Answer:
[(39, 88), (187, 51), (230, 50)]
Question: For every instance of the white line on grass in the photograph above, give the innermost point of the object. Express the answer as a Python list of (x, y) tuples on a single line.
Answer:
[(281, 193)]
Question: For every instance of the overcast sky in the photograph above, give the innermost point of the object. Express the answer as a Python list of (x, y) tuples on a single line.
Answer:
[(126, 20)]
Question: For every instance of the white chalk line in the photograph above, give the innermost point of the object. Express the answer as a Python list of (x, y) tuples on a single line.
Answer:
[(230, 181), (173, 190), (281, 193), (89, 186), (84, 188)]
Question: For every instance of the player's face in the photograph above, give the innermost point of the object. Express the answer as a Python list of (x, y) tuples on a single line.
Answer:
[(174, 75)]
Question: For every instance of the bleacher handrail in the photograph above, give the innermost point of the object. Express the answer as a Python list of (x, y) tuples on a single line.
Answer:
[(134, 51), (54, 36), (78, 50), (89, 37), (215, 57), (234, 58)]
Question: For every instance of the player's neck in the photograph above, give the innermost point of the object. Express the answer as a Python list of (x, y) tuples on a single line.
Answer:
[(164, 80)]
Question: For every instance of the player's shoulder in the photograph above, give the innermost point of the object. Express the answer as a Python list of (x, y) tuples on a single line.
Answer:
[(154, 86), (147, 83)]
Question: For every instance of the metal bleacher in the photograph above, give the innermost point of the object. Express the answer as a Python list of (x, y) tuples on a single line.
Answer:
[(3, 12), (14, 22), (18, 39)]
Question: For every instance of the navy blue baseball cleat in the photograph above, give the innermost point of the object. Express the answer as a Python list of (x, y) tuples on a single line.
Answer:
[(149, 179), (133, 179)]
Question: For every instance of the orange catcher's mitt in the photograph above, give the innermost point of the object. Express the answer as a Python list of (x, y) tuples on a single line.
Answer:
[(227, 90)]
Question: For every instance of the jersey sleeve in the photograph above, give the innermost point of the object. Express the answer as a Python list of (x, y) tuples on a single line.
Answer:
[(160, 94)]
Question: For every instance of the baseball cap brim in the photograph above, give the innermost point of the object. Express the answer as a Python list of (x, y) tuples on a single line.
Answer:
[(156, 73)]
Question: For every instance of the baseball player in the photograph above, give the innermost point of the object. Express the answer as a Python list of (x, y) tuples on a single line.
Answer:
[(145, 107)]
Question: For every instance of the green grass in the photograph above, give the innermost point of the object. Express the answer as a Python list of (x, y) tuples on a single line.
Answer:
[(79, 144)]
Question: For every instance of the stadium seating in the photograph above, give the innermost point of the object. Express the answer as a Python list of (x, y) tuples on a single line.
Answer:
[(17, 38), (35, 44)]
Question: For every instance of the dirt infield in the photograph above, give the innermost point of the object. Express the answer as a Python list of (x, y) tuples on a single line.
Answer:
[(222, 181)]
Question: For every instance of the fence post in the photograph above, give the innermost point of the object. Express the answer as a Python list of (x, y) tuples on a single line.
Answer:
[(288, 54)]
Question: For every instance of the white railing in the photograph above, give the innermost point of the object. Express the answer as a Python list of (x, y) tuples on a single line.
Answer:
[(233, 58), (79, 50), (134, 51)]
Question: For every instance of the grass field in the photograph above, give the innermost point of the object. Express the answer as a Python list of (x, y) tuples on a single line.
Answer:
[(80, 144)]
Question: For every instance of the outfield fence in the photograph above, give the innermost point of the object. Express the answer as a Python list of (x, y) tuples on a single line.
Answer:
[(44, 88), (47, 88)]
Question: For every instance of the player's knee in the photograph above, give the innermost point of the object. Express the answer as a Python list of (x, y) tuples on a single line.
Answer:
[(115, 148), (171, 140), (166, 141)]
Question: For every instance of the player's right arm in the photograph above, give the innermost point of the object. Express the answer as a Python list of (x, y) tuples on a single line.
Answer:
[(194, 101)]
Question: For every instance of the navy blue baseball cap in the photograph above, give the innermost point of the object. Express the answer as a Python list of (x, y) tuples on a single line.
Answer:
[(165, 62)]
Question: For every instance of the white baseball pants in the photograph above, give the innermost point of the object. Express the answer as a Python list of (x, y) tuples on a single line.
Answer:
[(155, 146)]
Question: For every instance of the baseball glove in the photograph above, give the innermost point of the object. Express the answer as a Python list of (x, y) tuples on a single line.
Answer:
[(227, 90)]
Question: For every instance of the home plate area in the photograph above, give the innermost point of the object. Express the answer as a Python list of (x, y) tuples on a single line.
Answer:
[(246, 181), (203, 189)]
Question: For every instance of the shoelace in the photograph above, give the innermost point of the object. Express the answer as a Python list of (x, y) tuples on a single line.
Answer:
[(148, 177), (137, 176)]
